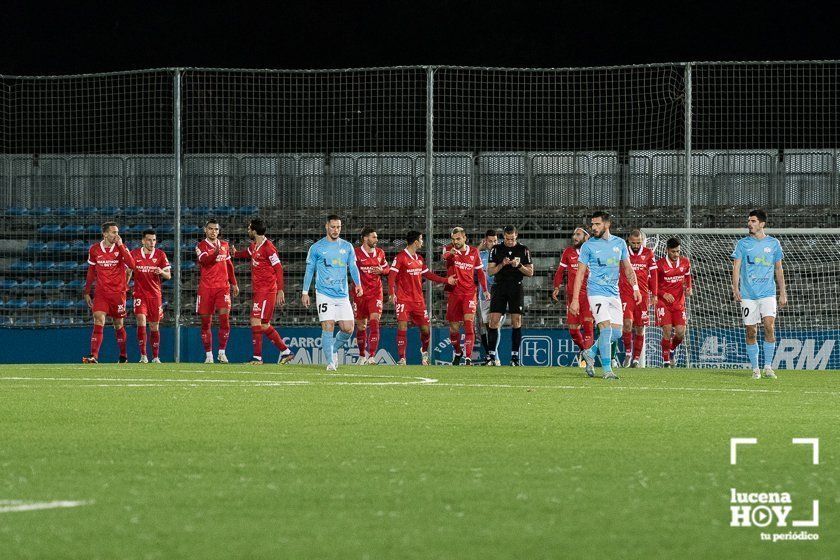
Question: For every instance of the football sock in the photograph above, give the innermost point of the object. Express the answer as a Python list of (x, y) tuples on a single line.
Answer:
[(155, 336), (327, 345), (604, 344), (256, 341), (401, 341), (638, 345), (752, 352), (121, 336), (627, 339), (206, 334), (96, 340), (224, 331), (373, 338), (769, 352), (275, 338), (469, 338), (141, 339), (515, 341), (455, 339), (361, 341)]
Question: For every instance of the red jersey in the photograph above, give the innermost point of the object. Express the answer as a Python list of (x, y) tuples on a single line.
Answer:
[(367, 263), (674, 279), (464, 264), (215, 264), (107, 266), (266, 269), (409, 273), (644, 264), (569, 265), (146, 282)]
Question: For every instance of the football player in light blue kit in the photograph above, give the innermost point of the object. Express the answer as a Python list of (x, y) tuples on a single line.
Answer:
[(328, 261), (756, 269), (603, 255)]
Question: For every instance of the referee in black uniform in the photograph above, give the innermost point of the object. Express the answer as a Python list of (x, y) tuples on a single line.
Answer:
[(508, 263)]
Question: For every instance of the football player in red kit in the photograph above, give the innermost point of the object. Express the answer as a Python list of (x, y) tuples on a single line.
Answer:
[(643, 262), (367, 310), (152, 267), (214, 289), (674, 285)]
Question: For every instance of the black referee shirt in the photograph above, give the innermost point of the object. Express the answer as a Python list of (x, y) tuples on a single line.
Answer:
[(508, 275)]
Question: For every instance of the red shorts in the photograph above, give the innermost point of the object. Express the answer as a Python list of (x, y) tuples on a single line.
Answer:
[(365, 306), (638, 314), (670, 316), (458, 306), (416, 312), (263, 306), (210, 300), (584, 314), (112, 305), (150, 306)]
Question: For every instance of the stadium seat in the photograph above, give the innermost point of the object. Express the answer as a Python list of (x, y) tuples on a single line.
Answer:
[(40, 211), (75, 285), (5, 321), (68, 266), (21, 266), (109, 212), (165, 229), (80, 305), (73, 229), (34, 247), (57, 247), (26, 322), (66, 212), (61, 321), (156, 211), (7, 284), (202, 212), (17, 211), (49, 229), (41, 305), (248, 211), (53, 285), (223, 212), (63, 305), (133, 211), (16, 304), (43, 266), (87, 211), (166, 245), (78, 246), (191, 229), (94, 229)]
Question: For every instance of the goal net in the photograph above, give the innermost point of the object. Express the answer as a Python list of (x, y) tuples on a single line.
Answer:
[(807, 329)]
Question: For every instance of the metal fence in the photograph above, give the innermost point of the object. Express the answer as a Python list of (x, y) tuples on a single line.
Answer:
[(665, 145)]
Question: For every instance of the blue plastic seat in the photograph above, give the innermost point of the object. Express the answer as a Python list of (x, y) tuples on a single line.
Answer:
[(21, 266), (80, 305), (17, 304), (35, 247), (191, 229), (66, 212), (134, 211), (41, 211), (79, 246), (201, 211), (53, 285), (73, 229), (49, 229), (188, 265), (30, 285), (17, 211), (138, 229), (224, 211), (166, 245), (57, 247), (43, 266), (75, 285), (156, 211), (248, 211), (94, 229), (67, 266), (7, 284), (26, 322), (87, 211), (62, 321), (41, 305), (108, 211), (165, 229), (5, 320)]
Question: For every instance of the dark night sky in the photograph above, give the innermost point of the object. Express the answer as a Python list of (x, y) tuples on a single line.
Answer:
[(36, 38)]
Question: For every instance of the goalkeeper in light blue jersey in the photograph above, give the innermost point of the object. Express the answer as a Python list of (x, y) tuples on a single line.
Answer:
[(756, 269), (328, 261)]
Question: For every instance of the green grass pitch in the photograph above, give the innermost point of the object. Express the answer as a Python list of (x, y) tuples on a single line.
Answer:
[(236, 461)]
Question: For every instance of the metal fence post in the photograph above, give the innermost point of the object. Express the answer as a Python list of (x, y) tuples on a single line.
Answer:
[(177, 203), (430, 222)]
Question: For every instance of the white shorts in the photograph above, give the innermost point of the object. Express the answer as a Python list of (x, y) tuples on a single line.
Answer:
[(754, 310), (606, 309), (333, 309)]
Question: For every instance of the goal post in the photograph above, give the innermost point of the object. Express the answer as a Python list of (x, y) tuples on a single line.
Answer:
[(807, 329)]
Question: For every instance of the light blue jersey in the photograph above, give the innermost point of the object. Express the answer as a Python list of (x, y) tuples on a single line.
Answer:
[(328, 261), (603, 257), (758, 266), (485, 259)]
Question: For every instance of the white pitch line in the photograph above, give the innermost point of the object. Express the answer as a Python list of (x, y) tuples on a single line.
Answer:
[(20, 505), (566, 387)]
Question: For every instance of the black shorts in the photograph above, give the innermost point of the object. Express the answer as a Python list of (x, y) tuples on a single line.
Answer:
[(507, 299)]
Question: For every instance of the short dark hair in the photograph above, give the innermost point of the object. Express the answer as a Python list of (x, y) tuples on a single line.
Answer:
[(258, 225), (673, 243), (149, 231), (108, 225), (333, 218), (367, 230), (635, 232), (605, 216), (211, 221), (412, 236), (490, 232), (760, 214), (510, 229)]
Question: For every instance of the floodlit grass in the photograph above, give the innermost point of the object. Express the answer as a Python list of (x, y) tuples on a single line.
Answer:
[(235, 461)]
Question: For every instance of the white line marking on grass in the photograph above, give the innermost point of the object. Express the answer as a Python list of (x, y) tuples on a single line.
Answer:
[(612, 388), (19, 505)]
